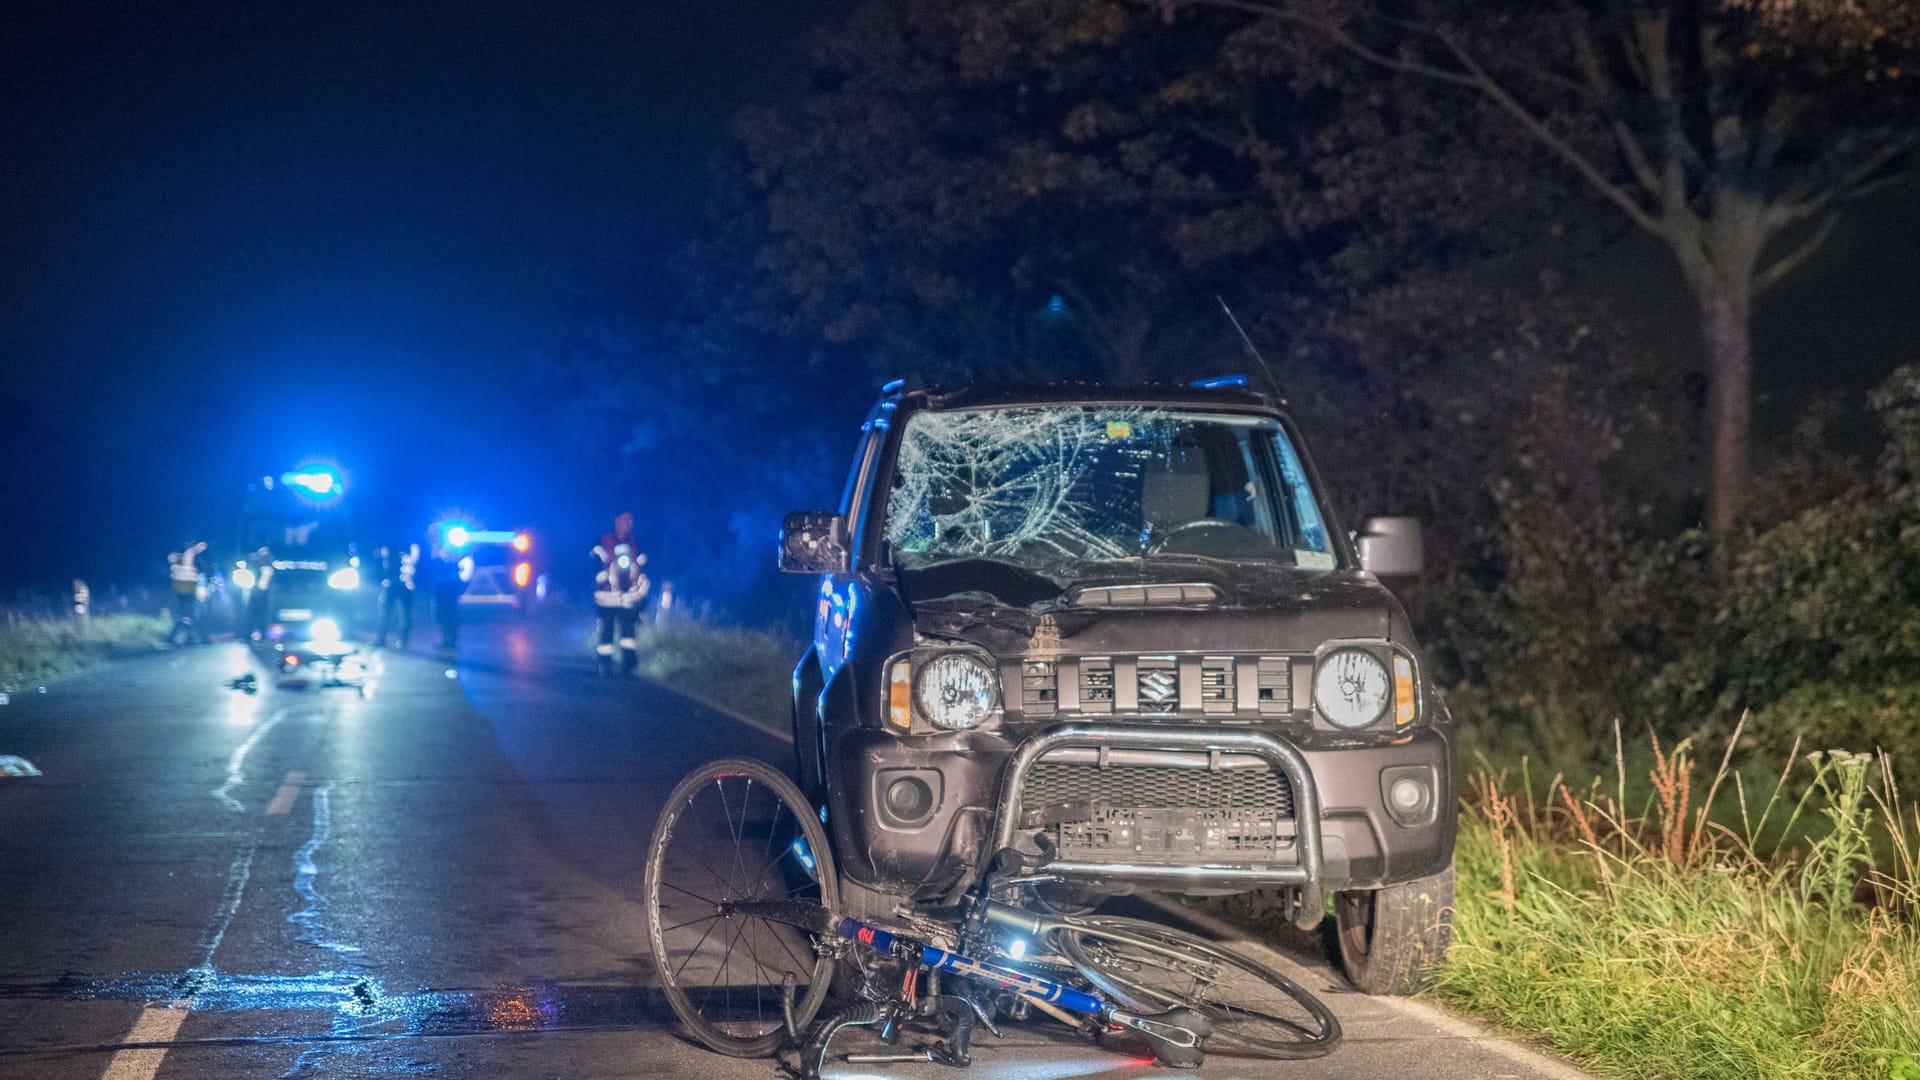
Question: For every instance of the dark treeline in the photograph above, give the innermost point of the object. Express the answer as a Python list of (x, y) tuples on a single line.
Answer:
[(1404, 205)]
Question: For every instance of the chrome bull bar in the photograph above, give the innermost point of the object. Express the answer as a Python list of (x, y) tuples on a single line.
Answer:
[(1304, 874)]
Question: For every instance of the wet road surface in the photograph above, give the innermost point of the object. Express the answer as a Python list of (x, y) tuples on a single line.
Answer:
[(440, 878)]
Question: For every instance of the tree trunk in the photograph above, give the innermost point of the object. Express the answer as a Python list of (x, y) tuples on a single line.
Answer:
[(1726, 318)]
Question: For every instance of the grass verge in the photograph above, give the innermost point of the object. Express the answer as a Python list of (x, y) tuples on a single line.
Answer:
[(1665, 945), (36, 650), (748, 671)]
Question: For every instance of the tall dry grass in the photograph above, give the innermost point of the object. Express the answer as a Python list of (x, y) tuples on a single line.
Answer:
[(1725, 934)]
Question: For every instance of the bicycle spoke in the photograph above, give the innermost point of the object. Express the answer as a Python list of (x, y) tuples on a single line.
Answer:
[(689, 922), (695, 951), (690, 892)]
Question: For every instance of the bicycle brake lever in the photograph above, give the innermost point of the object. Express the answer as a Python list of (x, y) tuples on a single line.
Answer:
[(1177, 1036)]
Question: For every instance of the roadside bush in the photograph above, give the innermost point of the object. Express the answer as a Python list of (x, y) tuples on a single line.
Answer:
[(1882, 718), (35, 650), (1663, 945)]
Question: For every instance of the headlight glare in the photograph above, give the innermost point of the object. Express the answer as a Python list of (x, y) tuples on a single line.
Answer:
[(345, 578), (956, 691), (1351, 688)]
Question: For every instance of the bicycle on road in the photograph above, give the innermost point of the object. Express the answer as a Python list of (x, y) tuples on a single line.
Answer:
[(751, 941)]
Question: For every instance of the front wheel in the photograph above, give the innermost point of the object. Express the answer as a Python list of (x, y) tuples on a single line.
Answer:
[(1392, 939), (737, 832), (1255, 1011)]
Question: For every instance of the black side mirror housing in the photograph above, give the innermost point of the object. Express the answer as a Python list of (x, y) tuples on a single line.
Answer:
[(1392, 547), (814, 542)]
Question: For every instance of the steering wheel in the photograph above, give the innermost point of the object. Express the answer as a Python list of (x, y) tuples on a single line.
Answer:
[(1204, 536)]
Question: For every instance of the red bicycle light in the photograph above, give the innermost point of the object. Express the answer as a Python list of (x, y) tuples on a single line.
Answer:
[(521, 542), (522, 574)]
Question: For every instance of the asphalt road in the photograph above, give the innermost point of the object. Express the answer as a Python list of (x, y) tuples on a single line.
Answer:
[(438, 879)]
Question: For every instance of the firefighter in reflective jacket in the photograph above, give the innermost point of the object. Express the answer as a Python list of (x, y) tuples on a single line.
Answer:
[(183, 573), (618, 590)]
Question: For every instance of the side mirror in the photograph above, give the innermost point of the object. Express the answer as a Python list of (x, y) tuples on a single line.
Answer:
[(1392, 547), (814, 542)]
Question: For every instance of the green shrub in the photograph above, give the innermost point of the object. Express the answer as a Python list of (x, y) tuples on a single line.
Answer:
[(37, 650), (1885, 718)]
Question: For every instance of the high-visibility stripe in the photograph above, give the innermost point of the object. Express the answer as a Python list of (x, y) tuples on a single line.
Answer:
[(626, 643), (603, 650)]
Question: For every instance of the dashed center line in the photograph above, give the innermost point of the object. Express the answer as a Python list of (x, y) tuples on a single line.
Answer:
[(289, 791), (157, 1024)]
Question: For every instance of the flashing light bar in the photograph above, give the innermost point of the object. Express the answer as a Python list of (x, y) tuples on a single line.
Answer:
[(314, 481)]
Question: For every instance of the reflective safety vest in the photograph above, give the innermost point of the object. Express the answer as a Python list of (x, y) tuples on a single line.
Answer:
[(184, 574), (618, 582)]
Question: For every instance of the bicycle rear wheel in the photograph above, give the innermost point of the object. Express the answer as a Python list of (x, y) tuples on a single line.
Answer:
[(1255, 1010), (737, 831)]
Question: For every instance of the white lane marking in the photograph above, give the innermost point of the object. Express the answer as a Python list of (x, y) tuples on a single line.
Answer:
[(237, 875), (237, 761), (731, 714), (289, 791), (1460, 1027), (157, 1024), (305, 875)]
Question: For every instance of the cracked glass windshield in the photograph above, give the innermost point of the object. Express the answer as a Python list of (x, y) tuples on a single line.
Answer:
[(1047, 487)]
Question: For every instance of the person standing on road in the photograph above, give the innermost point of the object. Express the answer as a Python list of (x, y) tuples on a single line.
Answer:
[(183, 573), (444, 570), (618, 590), (397, 570)]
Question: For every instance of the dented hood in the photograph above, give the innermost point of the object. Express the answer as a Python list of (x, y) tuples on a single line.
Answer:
[(1252, 607)]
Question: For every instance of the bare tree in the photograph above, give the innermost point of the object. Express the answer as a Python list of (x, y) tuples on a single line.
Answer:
[(1734, 131)]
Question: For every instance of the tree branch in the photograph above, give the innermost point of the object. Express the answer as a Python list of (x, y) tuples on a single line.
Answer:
[(1486, 84), (1786, 264), (1333, 32), (1858, 181)]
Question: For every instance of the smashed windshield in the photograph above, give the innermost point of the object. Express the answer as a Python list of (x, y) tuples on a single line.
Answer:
[(1043, 486)]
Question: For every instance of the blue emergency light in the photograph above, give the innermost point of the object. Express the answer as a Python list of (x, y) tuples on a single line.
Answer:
[(320, 483)]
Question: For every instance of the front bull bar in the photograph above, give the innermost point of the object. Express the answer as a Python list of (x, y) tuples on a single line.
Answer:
[(1280, 754)]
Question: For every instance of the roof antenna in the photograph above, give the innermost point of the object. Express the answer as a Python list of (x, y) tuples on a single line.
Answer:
[(1273, 384)]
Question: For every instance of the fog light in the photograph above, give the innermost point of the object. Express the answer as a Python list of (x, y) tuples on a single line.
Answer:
[(908, 797), (1409, 794)]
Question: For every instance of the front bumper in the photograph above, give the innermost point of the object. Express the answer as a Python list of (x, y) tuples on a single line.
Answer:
[(1305, 869), (1338, 835)]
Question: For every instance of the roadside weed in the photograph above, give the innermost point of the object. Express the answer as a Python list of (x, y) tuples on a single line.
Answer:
[(1663, 944)]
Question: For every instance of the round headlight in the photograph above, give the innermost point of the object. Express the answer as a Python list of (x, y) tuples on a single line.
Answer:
[(1351, 688), (956, 691)]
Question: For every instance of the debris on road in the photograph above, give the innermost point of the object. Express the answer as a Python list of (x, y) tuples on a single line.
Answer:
[(246, 683)]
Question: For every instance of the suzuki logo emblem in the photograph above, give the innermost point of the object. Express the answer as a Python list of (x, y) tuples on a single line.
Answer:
[(1158, 690)]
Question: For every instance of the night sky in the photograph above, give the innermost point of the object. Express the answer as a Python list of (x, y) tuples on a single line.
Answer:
[(237, 236), (241, 234)]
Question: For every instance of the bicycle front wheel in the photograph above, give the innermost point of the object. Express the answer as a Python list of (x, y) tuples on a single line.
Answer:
[(737, 831), (1255, 1010)]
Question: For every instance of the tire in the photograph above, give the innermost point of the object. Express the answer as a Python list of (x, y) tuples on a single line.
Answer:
[(1390, 940), (722, 818), (1256, 1011)]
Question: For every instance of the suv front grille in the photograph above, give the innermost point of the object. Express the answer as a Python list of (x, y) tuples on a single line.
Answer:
[(1162, 815), (1215, 688), (1039, 688), (1096, 684), (1156, 787)]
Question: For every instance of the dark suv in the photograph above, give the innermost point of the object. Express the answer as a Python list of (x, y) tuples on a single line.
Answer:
[(1119, 631)]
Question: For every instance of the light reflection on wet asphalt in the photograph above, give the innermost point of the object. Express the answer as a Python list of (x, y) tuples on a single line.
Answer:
[(453, 892)]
